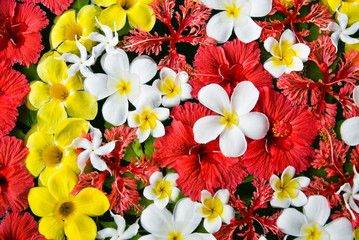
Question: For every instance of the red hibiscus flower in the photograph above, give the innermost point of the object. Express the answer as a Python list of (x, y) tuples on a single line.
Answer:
[(200, 166), (292, 131), (20, 227), (56, 6), (15, 180), (228, 65), (20, 25)]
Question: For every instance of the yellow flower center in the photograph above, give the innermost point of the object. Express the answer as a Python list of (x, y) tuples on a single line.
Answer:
[(213, 207), (281, 129), (66, 208), (284, 54), (74, 31), (59, 92), (312, 231), (170, 88), (175, 236), (233, 10), (127, 4), (229, 118), (163, 189), (52, 155), (124, 87), (147, 119), (287, 188)]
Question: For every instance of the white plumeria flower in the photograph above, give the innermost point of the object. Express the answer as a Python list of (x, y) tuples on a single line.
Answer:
[(215, 209), (349, 130), (93, 150), (341, 31), (311, 224), (262, 238), (351, 194), (119, 233), (81, 63), (173, 86), (147, 117), (121, 84), (235, 120), (287, 190), (287, 55), (236, 14), (163, 225), (162, 189)]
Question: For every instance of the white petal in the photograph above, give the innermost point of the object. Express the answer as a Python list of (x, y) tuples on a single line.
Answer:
[(143, 135), (244, 98), (98, 50), (205, 236), (335, 39), (145, 67), (167, 73), (260, 8), (273, 68), (303, 181), (172, 177), (148, 237), (159, 130), (228, 214), (149, 193), (157, 221), (132, 119), (161, 203), (98, 163), (213, 225), (186, 218), (349, 131), (232, 142), (205, 195), (272, 182), (161, 113), (352, 29), (291, 221), (269, 45), (107, 232), (296, 65), (215, 4), (290, 170), (182, 77), (97, 137), (114, 64), (186, 92), (356, 95), (81, 143), (73, 69), (148, 92), (317, 209), (348, 40), (280, 203), (300, 200), (254, 125), (345, 187), (249, 32), (171, 101), (353, 205), (340, 229), (333, 26), (115, 112), (105, 149), (131, 231), (174, 194), (288, 36), (82, 159), (86, 71), (214, 97), (223, 195), (207, 129), (343, 20), (120, 222), (301, 51), (220, 27), (97, 85), (155, 178)]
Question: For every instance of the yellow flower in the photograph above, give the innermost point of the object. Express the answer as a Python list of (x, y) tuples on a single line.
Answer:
[(349, 7), (137, 11), (65, 213), (54, 96), (67, 27), (48, 152)]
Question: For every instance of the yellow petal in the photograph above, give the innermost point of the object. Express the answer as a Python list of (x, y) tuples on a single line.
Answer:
[(69, 129), (52, 70), (104, 3), (61, 24), (49, 116), (38, 141), (82, 104), (41, 202), (333, 4), (34, 163), (80, 227), (70, 160), (62, 182), (113, 14), (86, 16), (145, 1), (68, 46), (39, 94), (351, 47), (46, 174), (351, 9), (92, 202), (51, 228), (74, 83), (141, 15)]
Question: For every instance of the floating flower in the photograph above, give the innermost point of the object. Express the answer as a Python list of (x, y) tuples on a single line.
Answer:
[(287, 190), (63, 213), (163, 225), (215, 209), (236, 120), (349, 130), (287, 55), (236, 14), (310, 225), (138, 12), (162, 189)]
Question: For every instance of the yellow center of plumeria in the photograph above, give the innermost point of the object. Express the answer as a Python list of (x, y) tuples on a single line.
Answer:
[(312, 231), (283, 53), (59, 92), (124, 87), (65, 209), (163, 189), (127, 4), (147, 119), (287, 187), (233, 10), (212, 207), (52, 155), (175, 236), (170, 88), (73, 32), (229, 119)]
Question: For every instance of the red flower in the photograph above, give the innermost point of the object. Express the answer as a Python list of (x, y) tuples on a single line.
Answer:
[(15, 180), (200, 166), (292, 131), (8, 114), (20, 25), (20, 227), (56, 6), (228, 65)]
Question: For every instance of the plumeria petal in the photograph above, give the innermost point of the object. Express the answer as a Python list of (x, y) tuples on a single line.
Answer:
[(212, 225), (97, 85), (260, 8), (232, 142), (300, 200), (291, 221), (249, 32), (217, 104), (145, 67), (115, 112), (350, 131), (254, 125), (244, 98), (340, 229), (201, 129), (220, 27), (186, 218), (157, 221), (317, 209), (228, 214)]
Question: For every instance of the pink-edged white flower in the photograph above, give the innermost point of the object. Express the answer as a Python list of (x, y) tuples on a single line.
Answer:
[(162, 189), (236, 14), (173, 86), (349, 130), (147, 117), (121, 83), (287, 55), (351, 194), (311, 224), (119, 233), (215, 209), (287, 190), (163, 225), (235, 120), (93, 150)]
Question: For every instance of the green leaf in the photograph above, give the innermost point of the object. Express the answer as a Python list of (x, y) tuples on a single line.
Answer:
[(16, 132), (134, 150), (30, 72), (248, 179), (125, 29), (108, 224), (78, 4), (26, 116), (149, 149)]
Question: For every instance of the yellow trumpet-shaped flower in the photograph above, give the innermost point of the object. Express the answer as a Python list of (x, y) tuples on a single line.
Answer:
[(49, 152), (68, 27), (137, 11), (55, 96), (64, 213)]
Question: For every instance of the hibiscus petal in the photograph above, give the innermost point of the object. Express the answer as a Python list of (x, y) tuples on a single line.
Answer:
[(254, 125), (244, 98), (214, 97), (349, 131), (207, 129), (220, 27), (317, 209), (232, 142), (291, 221)]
